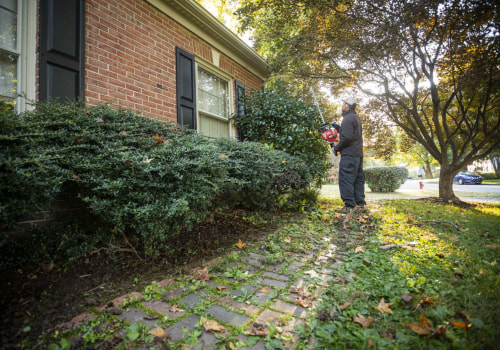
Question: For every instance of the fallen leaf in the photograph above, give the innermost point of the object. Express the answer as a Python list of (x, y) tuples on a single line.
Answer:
[(362, 320), (159, 332), (384, 307), (422, 328), (175, 309), (213, 326), (494, 245), (462, 316), (304, 302), (359, 249), (99, 120), (158, 139), (371, 343), (240, 244), (287, 239), (221, 288), (265, 290), (424, 303), (128, 162), (203, 275), (442, 330), (151, 317), (344, 306), (460, 324), (313, 273), (406, 297), (148, 160), (257, 329)]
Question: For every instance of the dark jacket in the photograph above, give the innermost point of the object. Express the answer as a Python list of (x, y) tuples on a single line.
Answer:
[(351, 135)]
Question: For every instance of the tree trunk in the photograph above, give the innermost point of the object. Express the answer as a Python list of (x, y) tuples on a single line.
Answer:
[(446, 185), (428, 170), (495, 160)]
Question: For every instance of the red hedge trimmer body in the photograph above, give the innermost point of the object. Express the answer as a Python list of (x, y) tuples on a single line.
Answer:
[(330, 133)]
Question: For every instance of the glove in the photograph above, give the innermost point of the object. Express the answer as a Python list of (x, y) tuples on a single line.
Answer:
[(335, 151)]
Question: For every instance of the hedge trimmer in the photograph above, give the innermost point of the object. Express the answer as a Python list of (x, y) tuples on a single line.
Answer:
[(330, 133)]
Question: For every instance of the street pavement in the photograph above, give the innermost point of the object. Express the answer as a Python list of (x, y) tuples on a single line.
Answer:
[(434, 185)]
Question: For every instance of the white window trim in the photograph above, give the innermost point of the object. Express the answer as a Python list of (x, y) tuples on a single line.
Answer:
[(200, 62), (26, 54), (26, 69)]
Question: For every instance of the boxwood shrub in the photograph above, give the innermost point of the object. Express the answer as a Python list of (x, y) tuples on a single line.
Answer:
[(385, 179), (140, 178)]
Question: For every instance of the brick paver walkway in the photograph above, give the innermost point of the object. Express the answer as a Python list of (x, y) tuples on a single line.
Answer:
[(247, 293)]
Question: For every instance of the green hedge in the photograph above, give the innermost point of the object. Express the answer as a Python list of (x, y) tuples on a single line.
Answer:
[(138, 177), (385, 179), (488, 176)]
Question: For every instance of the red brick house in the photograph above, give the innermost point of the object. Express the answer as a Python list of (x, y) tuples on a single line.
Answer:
[(170, 59)]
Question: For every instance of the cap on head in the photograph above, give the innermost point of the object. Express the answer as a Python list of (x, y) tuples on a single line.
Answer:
[(351, 100)]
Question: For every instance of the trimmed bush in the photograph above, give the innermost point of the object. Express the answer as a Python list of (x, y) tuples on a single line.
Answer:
[(488, 176), (385, 179), (138, 178), (258, 176)]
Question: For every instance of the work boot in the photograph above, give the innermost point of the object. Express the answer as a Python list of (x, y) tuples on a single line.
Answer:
[(361, 207), (345, 210)]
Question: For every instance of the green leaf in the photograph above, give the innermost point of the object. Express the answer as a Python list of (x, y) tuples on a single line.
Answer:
[(133, 335)]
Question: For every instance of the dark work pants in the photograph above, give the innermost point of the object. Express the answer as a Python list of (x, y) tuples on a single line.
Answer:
[(352, 181)]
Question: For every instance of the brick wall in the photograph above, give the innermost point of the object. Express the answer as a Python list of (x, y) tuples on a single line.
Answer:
[(130, 57)]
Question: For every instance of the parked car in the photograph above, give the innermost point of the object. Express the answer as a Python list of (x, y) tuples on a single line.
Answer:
[(465, 176)]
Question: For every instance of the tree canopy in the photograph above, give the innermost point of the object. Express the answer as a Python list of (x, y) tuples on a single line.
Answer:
[(432, 65)]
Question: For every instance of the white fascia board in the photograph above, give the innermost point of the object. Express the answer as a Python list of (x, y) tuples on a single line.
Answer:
[(202, 23)]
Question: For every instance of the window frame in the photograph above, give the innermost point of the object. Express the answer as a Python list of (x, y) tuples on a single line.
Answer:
[(210, 68), (26, 54)]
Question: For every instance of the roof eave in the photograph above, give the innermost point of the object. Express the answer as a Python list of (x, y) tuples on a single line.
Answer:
[(199, 20)]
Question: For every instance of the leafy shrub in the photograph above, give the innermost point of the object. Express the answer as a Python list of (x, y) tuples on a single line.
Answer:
[(488, 176), (141, 178), (65, 241), (385, 179), (276, 118), (29, 173), (258, 176)]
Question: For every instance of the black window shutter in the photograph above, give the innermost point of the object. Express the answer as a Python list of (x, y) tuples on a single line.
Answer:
[(186, 92), (240, 98), (62, 40), (240, 94)]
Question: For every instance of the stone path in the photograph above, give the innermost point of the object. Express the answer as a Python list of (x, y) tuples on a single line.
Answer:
[(254, 298)]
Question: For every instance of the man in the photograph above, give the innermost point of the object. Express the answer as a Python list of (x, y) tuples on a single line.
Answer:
[(350, 146)]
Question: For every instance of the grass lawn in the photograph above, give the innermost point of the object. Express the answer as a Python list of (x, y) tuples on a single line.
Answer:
[(332, 191), (438, 287), (491, 182)]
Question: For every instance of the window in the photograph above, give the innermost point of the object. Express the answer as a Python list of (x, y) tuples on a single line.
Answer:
[(17, 52), (9, 54), (204, 98), (213, 104)]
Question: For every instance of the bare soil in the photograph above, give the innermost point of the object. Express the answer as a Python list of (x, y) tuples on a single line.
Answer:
[(35, 299)]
